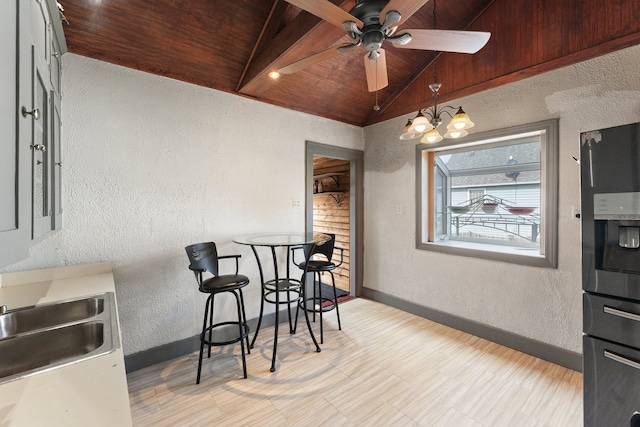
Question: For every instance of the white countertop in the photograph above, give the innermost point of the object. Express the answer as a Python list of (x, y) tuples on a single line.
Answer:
[(88, 393)]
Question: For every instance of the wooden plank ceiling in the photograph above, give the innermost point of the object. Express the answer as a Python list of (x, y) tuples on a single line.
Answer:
[(231, 45)]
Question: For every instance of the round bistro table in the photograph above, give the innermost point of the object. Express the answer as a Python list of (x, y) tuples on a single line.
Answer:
[(285, 289)]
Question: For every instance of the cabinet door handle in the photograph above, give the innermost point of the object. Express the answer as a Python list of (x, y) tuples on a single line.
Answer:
[(35, 113), (621, 359), (39, 147), (621, 313)]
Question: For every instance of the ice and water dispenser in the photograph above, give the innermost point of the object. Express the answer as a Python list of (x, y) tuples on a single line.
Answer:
[(617, 232)]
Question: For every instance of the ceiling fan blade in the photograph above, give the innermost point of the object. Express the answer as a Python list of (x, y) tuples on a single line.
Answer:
[(376, 70), (405, 7), (326, 10), (310, 60), (447, 40)]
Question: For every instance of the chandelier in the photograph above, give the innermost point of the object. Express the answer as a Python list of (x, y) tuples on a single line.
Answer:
[(426, 122)]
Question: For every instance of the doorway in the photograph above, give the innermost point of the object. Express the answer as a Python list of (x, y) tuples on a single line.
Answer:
[(334, 200), (331, 202)]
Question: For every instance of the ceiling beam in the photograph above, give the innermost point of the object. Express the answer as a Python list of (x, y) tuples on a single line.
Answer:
[(270, 27), (306, 34)]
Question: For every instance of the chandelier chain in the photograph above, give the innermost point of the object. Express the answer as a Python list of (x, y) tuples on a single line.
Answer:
[(435, 24), (435, 60)]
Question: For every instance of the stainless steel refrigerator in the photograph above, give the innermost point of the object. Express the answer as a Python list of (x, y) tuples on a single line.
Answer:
[(610, 181)]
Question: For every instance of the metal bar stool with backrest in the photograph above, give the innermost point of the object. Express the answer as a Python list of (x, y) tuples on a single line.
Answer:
[(204, 258), (317, 303)]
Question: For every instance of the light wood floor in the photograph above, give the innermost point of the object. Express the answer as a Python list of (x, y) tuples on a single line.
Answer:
[(385, 368)]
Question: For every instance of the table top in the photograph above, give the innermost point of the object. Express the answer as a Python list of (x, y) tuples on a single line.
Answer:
[(281, 239)]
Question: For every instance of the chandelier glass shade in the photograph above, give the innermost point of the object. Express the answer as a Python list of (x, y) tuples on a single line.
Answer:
[(460, 121), (420, 124), (409, 132), (431, 137), (455, 133)]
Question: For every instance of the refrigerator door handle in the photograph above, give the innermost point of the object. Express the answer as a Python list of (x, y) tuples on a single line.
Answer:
[(621, 359), (621, 313)]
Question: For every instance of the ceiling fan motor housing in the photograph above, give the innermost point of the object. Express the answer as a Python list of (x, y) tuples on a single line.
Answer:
[(368, 11), (372, 38)]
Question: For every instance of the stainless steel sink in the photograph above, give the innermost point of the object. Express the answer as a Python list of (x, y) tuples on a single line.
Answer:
[(47, 315), (49, 336)]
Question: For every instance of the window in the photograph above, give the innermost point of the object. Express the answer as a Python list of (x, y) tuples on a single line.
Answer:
[(475, 193), (492, 195)]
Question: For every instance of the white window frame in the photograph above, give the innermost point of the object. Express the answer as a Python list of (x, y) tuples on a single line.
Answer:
[(547, 256)]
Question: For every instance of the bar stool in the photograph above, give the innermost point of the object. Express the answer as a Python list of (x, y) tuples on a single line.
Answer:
[(204, 258), (317, 303)]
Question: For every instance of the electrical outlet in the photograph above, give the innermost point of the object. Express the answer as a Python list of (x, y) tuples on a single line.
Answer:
[(295, 204)]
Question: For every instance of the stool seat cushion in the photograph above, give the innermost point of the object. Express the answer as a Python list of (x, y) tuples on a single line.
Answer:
[(316, 265), (224, 282)]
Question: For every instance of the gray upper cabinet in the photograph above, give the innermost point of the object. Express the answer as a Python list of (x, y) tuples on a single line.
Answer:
[(32, 43), (15, 187)]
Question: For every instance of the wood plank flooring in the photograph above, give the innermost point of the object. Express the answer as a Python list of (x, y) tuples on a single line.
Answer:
[(385, 368)]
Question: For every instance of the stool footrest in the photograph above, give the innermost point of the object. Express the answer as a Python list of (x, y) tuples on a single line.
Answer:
[(220, 342), (317, 304), (283, 285), (294, 296)]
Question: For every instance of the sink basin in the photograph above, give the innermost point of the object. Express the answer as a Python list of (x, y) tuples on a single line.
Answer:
[(50, 336), (47, 315), (50, 347)]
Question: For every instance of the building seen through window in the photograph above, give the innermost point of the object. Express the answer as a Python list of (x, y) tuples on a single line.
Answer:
[(493, 193)]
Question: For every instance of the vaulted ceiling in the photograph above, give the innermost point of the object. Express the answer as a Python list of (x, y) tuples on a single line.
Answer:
[(231, 45)]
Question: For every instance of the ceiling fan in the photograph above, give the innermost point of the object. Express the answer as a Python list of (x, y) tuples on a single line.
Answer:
[(370, 23)]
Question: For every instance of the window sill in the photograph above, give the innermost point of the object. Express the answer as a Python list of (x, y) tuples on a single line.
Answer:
[(510, 254)]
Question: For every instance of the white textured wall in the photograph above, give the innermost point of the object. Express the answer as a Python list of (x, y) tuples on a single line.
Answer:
[(152, 165), (543, 304)]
